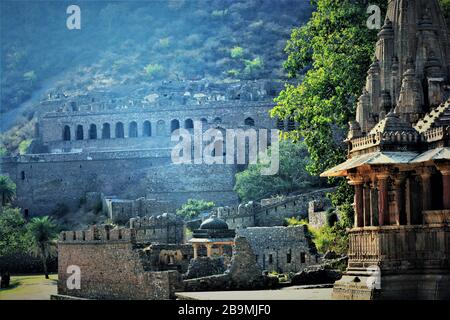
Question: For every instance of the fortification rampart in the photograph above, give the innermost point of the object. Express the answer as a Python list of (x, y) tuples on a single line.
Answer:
[(270, 213)]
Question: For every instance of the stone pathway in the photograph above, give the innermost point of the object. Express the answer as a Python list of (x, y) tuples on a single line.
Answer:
[(289, 293)]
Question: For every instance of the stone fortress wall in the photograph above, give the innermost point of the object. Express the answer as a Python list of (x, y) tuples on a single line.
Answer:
[(121, 273), (273, 212), (73, 155)]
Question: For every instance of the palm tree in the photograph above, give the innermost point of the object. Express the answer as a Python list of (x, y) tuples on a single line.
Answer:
[(43, 231), (7, 190)]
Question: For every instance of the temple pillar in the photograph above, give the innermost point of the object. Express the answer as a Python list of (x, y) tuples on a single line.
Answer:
[(194, 245), (366, 204), (209, 250), (400, 214), (383, 200), (357, 182), (445, 171), (425, 175), (373, 204)]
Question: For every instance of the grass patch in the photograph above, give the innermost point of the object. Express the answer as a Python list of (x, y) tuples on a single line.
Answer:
[(30, 287)]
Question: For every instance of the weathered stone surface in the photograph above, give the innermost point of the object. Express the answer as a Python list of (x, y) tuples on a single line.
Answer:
[(281, 249), (271, 212), (316, 275), (205, 266), (243, 273)]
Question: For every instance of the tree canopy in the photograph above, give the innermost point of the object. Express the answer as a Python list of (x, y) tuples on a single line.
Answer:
[(336, 48), (193, 207), (292, 175), (7, 190)]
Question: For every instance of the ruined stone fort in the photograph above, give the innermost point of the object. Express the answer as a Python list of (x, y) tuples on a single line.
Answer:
[(119, 145)]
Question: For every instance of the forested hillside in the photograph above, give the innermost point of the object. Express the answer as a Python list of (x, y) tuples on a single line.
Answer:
[(133, 42)]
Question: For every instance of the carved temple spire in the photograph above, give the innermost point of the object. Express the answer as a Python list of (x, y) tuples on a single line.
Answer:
[(411, 70)]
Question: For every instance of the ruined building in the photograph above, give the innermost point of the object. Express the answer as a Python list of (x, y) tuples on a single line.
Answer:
[(399, 162), (147, 262), (120, 144)]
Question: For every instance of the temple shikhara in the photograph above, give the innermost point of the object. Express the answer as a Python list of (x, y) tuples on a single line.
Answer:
[(399, 162)]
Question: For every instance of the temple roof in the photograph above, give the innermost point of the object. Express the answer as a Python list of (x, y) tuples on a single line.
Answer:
[(392, 123), (437, 117), (433, 154), (373, 158), (384, 158)]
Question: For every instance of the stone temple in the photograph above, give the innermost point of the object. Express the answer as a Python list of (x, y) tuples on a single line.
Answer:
[(399, 162)]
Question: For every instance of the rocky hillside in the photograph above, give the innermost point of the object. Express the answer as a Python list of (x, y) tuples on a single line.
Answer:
[(133, 43)]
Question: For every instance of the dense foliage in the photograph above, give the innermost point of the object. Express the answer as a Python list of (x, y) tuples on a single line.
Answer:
[(330, 237), (7, 190), (192, 208), (292, 175), (337, 48), (14, 236)]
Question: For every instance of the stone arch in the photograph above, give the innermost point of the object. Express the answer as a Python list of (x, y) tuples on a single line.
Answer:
[(133, 130), (66, 133), (79, 133), (147, 129), (174, 125), (249, 121), (188, 124), (106, 131), (119, 130), (92, 132), (160, 128)]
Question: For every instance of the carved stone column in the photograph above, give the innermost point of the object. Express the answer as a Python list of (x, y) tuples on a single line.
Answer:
[(400, 214), (194, 245), (425, 175), (373, 203), (366, 202), (445, 171), (357, 182), (383, 200)]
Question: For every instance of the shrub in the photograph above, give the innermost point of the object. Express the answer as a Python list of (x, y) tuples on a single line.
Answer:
[(154, 70), (24, 145), (327, 238), (194, 207), (296, 221), (233, 72), (253, 67), (164, 42), (237, 52)]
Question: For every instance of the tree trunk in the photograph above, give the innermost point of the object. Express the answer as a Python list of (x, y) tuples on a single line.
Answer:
[(44, 261)]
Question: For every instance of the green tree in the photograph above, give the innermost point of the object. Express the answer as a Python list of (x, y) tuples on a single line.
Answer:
[(43, 231), (336, 48), (194, 207), (13, 232), (7, 190), (292, 175)]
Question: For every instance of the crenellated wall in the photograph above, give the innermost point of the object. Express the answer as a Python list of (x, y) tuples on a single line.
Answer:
[(110, 267), (270, 212)]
